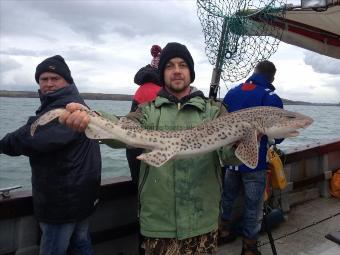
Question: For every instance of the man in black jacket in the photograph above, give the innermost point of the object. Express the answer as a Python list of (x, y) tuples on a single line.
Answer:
[(66, 166)]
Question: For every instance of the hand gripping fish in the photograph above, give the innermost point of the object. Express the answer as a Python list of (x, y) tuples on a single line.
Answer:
[(239, 127)]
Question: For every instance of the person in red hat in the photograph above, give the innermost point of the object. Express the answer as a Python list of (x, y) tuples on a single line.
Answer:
[(149, 85), (148, 79)]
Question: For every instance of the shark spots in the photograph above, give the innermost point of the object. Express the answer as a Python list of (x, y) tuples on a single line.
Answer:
[(240, 126)]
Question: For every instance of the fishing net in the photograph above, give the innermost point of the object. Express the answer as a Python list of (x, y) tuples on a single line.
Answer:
[(239, 33)]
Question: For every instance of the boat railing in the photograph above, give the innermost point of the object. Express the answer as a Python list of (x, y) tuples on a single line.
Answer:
[(5, 192), (308, 170), (114, 222)]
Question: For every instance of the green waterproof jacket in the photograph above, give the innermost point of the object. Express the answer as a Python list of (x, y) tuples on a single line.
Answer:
[(180, 199)]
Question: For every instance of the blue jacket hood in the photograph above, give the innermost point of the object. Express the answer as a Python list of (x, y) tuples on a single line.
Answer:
[(260, 80)]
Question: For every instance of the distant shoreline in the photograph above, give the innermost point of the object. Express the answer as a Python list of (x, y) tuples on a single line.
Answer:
[(123, 97), (89, 96)]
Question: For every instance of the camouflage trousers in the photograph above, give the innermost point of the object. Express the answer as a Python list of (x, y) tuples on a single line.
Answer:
[(197, 245)]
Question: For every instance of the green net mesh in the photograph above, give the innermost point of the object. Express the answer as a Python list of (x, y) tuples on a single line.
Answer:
[(237, 34)]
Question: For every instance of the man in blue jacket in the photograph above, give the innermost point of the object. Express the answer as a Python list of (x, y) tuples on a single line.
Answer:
[(256, 91), (66, 166)]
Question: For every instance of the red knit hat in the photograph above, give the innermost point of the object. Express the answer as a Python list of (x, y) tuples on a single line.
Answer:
[(155, 52)]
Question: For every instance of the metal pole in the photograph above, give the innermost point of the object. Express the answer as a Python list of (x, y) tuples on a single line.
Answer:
[(267, 228), (216, 75)]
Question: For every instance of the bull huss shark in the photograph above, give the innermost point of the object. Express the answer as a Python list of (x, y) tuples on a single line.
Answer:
[(240, 128)]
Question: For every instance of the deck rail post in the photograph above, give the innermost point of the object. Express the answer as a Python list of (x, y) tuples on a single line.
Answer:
[(324, 185)]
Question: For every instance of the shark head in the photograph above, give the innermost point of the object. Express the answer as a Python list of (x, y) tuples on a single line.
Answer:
[(280, 123)]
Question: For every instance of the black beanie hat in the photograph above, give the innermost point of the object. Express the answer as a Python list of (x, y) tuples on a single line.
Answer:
[(173, 50), (55, 64)]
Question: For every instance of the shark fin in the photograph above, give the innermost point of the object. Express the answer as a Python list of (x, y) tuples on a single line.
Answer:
[(94, 131), (247, 151), (157, 158)]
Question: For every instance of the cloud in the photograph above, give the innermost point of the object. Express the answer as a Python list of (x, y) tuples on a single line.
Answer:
[(8, 64), (322, 64), (14, 75), (96, 19), (334, 83), (105, 42)]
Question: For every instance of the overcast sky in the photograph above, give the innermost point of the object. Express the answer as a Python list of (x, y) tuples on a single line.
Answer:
[(106, 42)]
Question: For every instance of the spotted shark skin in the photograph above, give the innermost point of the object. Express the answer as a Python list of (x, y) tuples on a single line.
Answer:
[(241, 128)]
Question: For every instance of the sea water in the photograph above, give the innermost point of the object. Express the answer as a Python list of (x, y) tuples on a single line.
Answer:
[(14, 113)]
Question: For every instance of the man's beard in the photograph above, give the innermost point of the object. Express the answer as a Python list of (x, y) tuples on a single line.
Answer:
[(177, 89)]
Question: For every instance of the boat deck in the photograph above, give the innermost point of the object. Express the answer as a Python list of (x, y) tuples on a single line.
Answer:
[(303, 232)]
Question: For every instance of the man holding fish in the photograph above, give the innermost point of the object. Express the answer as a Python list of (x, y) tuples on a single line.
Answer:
[(180, 195), (179, 201)]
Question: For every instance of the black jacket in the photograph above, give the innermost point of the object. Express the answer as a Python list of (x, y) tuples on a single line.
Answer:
[(147, 74), (66, 166)]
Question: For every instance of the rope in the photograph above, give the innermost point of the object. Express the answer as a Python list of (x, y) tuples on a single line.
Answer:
[(300, 229), (235, 43)]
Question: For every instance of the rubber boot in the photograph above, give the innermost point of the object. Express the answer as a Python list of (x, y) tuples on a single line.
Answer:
[(225, 234), (249, 247)]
